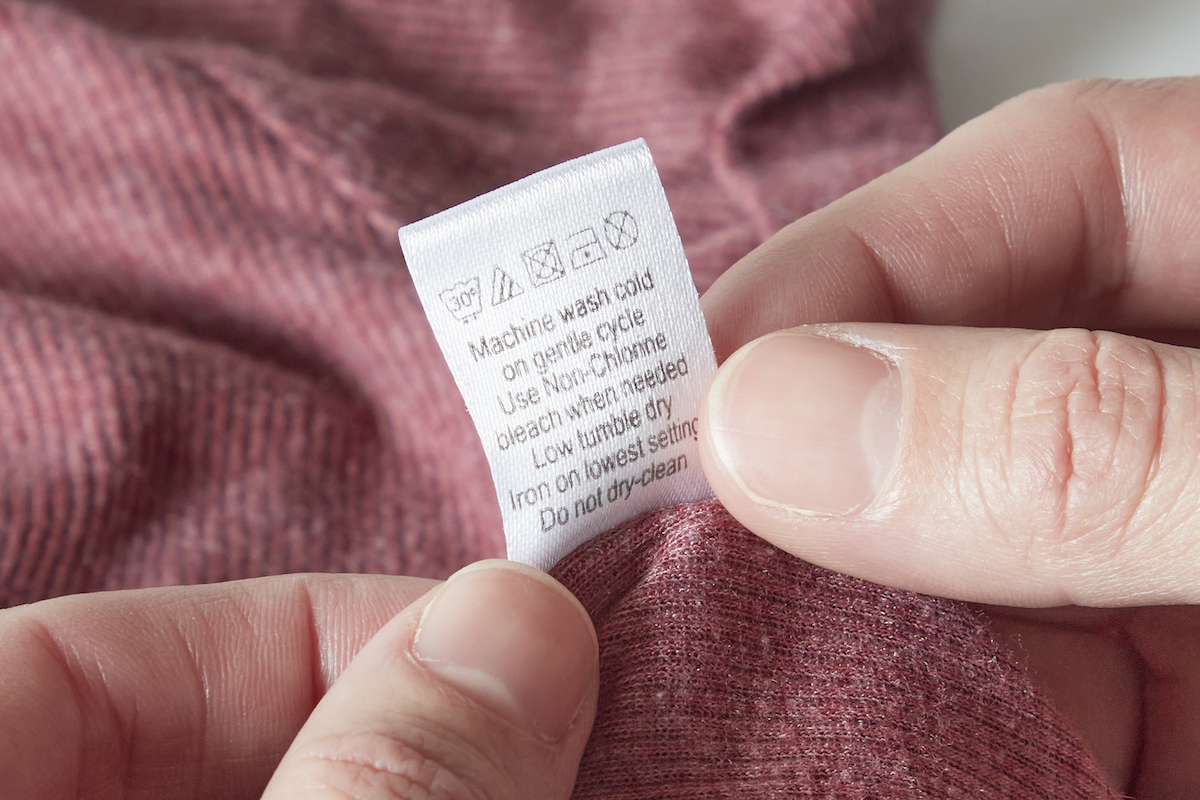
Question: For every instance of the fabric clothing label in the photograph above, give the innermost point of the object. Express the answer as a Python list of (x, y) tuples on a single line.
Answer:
[(564, 306)]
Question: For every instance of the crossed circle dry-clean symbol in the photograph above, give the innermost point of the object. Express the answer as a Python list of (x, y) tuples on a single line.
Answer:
[(621, 230)]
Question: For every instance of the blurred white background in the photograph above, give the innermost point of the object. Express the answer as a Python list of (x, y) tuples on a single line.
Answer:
[(985, 51)]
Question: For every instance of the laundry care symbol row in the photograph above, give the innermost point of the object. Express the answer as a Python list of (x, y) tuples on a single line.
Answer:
[(543, 264)]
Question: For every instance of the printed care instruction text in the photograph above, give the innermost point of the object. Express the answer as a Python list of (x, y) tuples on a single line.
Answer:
[(566, 311)]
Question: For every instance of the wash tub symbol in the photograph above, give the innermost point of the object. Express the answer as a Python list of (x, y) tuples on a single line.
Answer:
[(464, 299)]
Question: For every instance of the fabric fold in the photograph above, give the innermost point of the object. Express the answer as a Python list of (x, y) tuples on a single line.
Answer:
[(213, 364)]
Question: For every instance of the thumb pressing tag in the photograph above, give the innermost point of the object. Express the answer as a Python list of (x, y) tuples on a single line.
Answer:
[(565, 309)]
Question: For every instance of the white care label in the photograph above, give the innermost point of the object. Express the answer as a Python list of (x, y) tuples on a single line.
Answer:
[(565, 308)]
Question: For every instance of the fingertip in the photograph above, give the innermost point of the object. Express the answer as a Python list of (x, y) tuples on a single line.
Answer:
[(486, 686), (804, 422), (514, 639)]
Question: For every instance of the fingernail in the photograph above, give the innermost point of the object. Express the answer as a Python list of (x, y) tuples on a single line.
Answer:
[(807, 423), (514, 640)]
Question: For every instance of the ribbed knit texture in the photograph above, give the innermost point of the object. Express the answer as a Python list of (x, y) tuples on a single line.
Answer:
[(213, 364)]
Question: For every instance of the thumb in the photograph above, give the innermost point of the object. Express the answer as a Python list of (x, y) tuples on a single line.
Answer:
[(484, 688), (1003, 466)]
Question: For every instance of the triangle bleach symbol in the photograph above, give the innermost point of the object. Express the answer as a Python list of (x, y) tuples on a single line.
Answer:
[(504, 287)]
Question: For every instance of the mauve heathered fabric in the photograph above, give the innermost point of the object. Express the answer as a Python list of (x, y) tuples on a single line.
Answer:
[(732, 669), (213, 364)]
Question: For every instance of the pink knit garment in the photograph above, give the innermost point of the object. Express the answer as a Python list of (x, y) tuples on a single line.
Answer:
[(731, 669), (213, 364)]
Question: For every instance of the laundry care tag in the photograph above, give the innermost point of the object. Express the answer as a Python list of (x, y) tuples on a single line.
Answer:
[(565, 308)]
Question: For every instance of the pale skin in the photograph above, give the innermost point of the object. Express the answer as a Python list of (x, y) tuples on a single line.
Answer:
[(1035, 469), (1034, 473)]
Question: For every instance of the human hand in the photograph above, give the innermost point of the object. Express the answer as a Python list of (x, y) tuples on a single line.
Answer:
[(484, 686), (1014, 467)]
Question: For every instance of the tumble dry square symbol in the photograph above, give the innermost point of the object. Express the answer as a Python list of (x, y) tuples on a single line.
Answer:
[(585, 248), (543, 263)]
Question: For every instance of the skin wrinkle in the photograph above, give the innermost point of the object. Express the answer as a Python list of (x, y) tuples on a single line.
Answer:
[(1149, 522), (1001, 204), (496, 769), (1160, 420), (1060, 476), (312, 647), (1154, 435), (1108, 347), (202, 698), (952, 228), (379, 770), (881, 274), (1047, 546), (981, 484), (1110, 141), (1077, 275), (1194, 400), (1098, 379), (984, 173), (1084, 408), (1117, 390), (405, 758), (126, 724), (44, 638)]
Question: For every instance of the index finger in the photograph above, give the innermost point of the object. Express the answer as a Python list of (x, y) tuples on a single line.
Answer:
[(178, 692), (1074, 205)]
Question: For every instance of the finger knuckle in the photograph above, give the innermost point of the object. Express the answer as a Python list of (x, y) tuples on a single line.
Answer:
[(1084, 430), (413, 765)]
